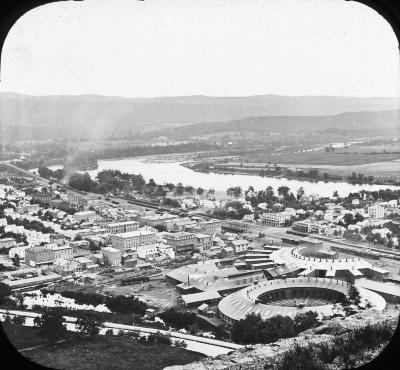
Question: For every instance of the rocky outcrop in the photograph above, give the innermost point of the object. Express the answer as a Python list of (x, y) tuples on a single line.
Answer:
[(262, 356)]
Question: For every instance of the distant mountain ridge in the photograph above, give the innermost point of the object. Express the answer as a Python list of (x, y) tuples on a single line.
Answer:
[(94, 114), (359, 121)]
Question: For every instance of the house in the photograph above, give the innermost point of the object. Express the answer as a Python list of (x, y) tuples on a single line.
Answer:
[(239, 246), (203, 242), (146, 251), (227, 252), (7, 243), (275, 219), (376, 211), (87, 216), (112, 256), (61, 251)]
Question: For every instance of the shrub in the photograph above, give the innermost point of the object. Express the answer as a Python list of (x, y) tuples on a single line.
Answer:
[(87, 324), (307, 320), (18, 320), (51, 324), (122, 304), (178, 318), (300, 358), (253, 329), (180, 344), (159, 338), (345, 350)]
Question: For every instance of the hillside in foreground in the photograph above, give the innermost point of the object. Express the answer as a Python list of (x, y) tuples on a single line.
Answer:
[(339, 343)]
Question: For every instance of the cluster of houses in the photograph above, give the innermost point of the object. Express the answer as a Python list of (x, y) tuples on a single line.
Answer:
[(102, 234)]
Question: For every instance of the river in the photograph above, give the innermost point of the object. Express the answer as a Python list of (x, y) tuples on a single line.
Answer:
[(173, 172)]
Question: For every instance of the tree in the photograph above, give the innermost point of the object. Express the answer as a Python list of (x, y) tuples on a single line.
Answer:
[(20, 300), (210, 192), (51, 325), (358, 218), (5, 291), (200, 191), (234, 191), (88, 325), (160, 228), (179, 189), (390, 243), (189, 189), (178, 318), (283, 191), (269, 194), (160, 190), (152, 183), (18, 320), (354, 295), (122, 304), (15, 259), (335, 194), (300, 192), (348, 219), (304, 321), (253, 329)]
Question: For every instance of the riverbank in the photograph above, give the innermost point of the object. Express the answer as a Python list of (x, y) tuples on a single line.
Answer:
[(261, 171), (174, 172)]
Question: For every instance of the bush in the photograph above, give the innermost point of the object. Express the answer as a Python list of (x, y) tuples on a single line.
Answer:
[(18, 320), (5, 291), (84, 297), (345, 350), (180, 344), (300, 358), (159, 338), (253, 329), (304, 321), (178, 318), (122, 304), (51, 325), (87, 324)]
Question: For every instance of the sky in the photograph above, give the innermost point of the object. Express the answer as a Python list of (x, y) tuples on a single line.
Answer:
[(202, 47)]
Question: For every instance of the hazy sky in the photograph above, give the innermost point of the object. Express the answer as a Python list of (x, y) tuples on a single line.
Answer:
[(209, 47)]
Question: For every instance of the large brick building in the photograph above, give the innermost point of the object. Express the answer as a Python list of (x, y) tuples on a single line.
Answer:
[(132, 239), (182, 242), (37, 256), (122, 227)]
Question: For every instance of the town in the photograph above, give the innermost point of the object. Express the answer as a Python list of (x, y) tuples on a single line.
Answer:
[(195, 267)]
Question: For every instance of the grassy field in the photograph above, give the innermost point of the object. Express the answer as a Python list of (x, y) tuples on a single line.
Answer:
[(378, 165), (333, 159), (22, 336), (111, 353)]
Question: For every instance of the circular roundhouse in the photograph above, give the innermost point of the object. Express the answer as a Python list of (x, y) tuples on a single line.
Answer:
[(288, 297)]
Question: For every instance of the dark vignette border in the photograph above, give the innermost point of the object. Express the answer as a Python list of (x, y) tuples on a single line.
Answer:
[(12, 10)]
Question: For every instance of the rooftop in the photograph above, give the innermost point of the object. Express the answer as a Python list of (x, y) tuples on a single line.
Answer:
[(134, 233), (200, 297), (110, 249), (122, 223)]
